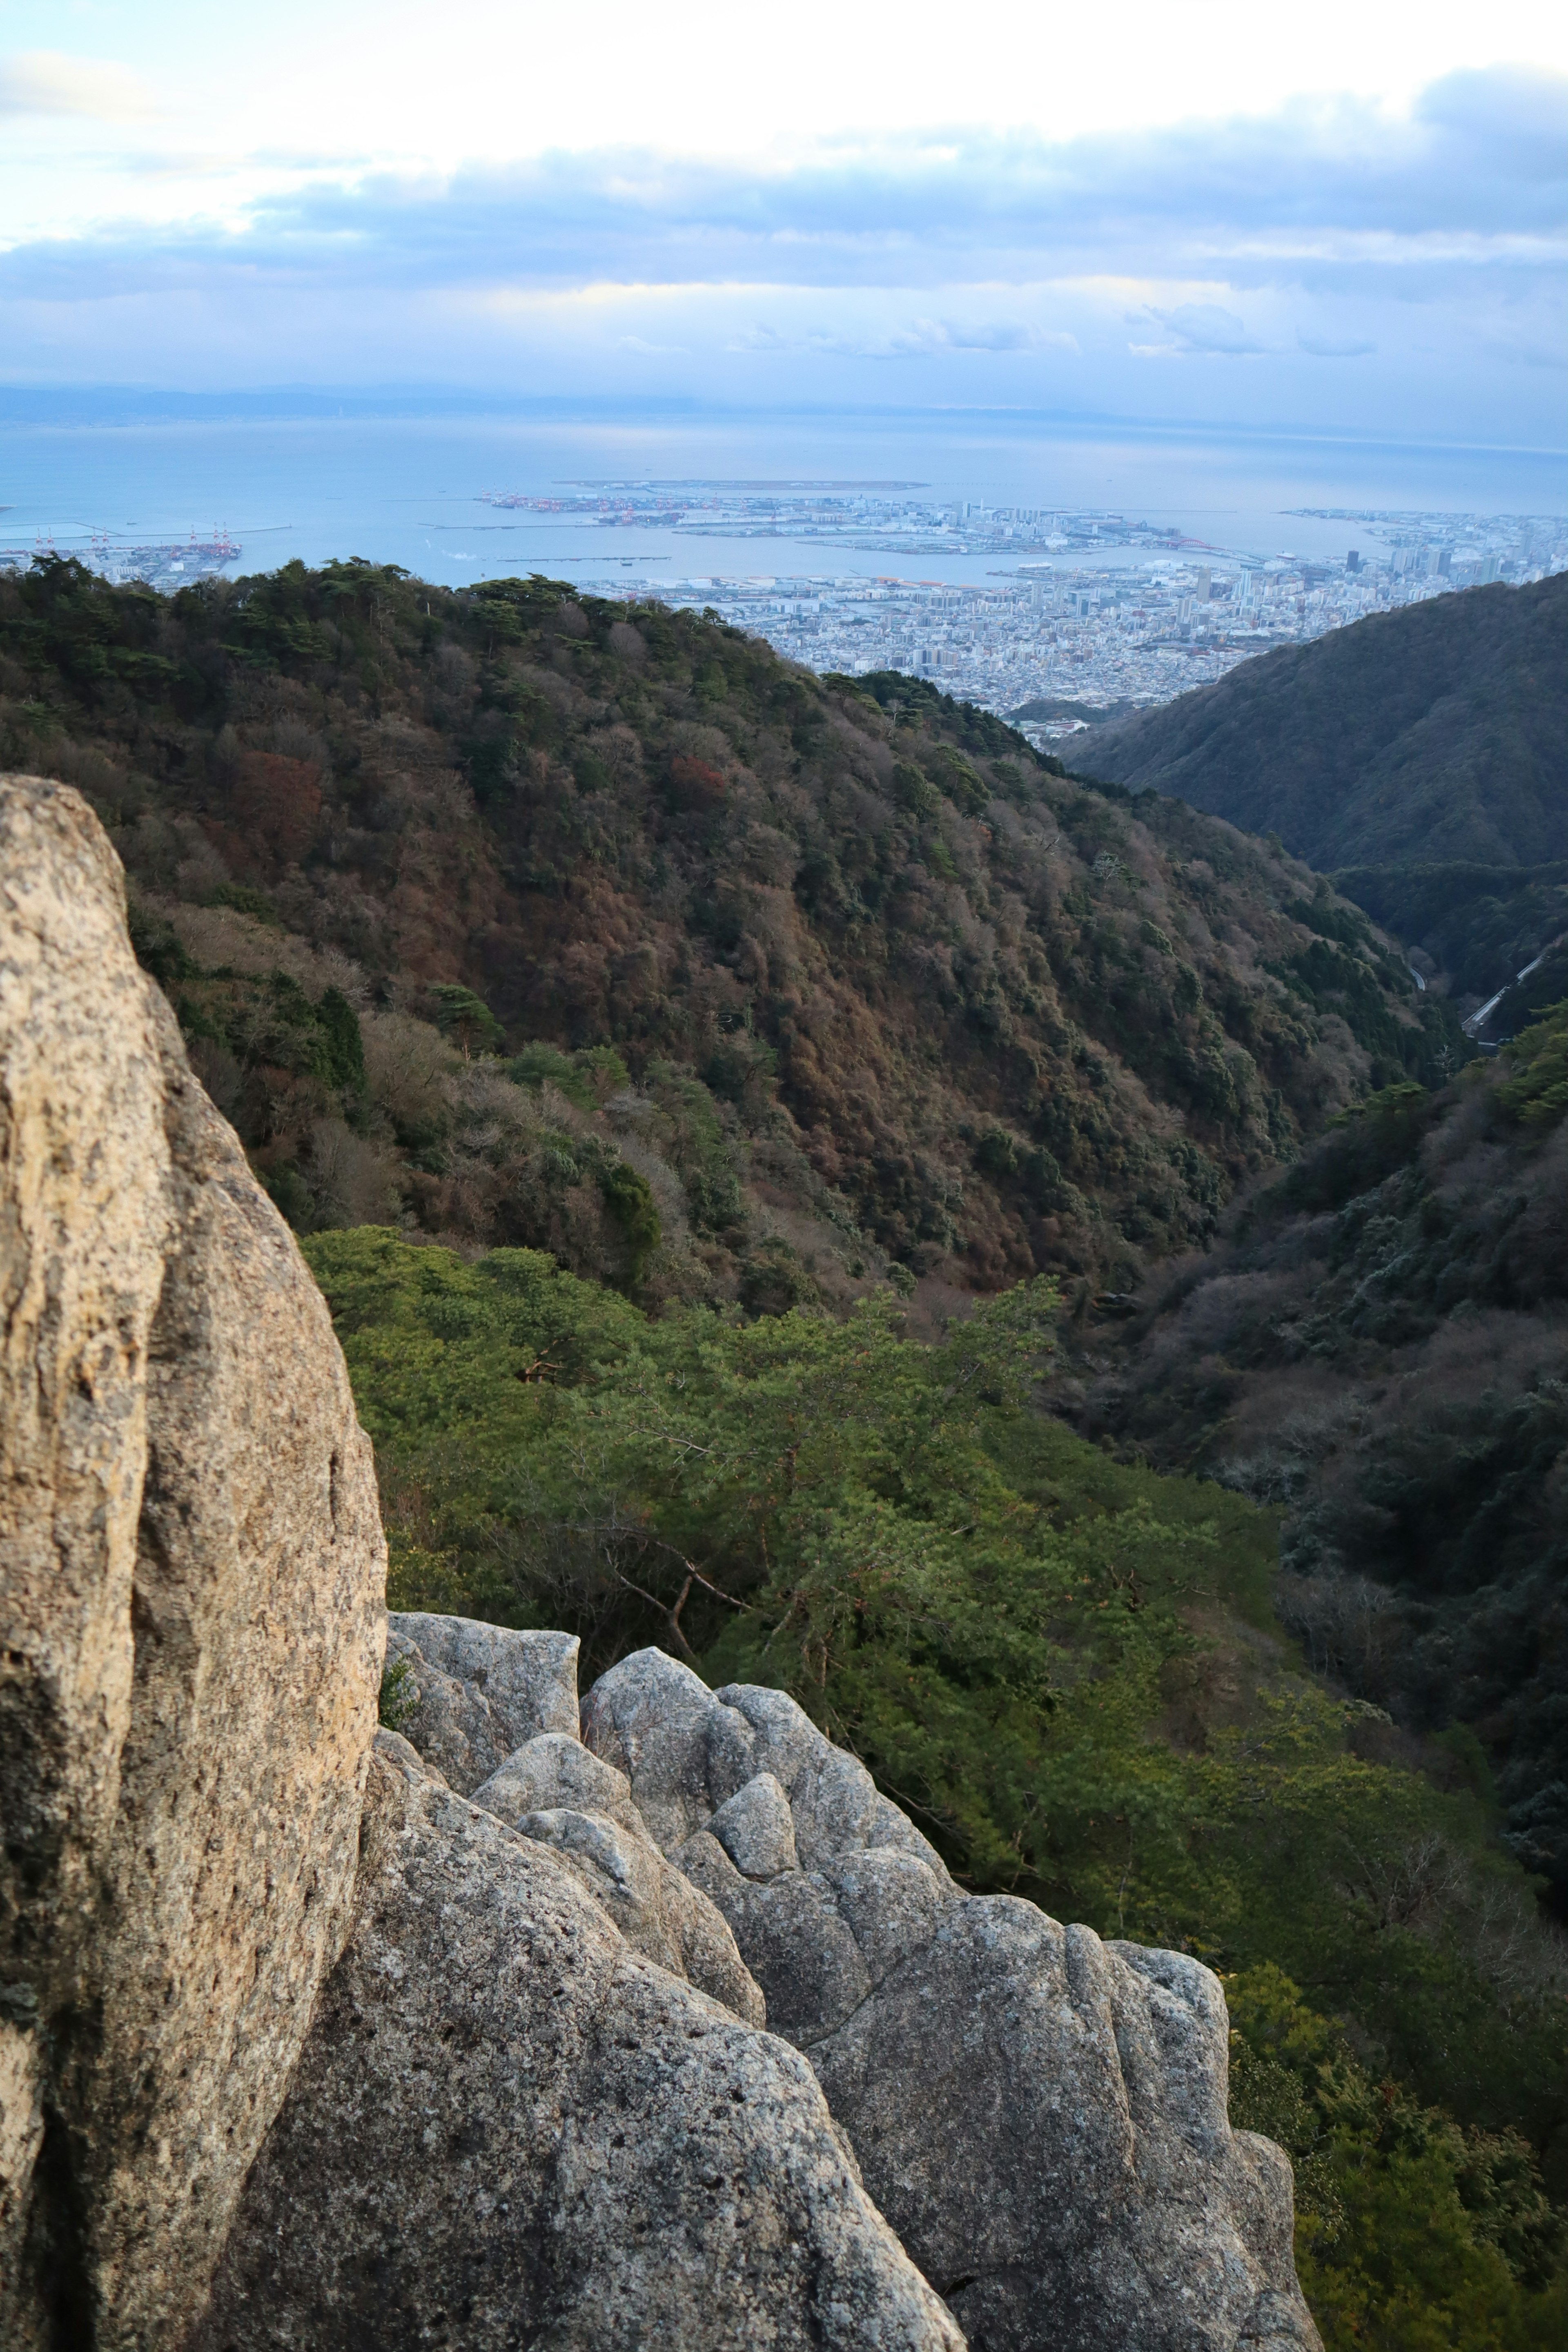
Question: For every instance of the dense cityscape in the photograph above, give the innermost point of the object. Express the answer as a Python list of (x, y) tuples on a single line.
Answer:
[(1080, 613), (1096, 612)]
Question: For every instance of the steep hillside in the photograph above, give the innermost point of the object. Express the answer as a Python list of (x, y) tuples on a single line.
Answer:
[(534, 920), (1421, 756), (1435, 733), (1064, 1667), (1377, 1348)]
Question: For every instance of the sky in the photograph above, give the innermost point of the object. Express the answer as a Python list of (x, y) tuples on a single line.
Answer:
[(1346, 219)]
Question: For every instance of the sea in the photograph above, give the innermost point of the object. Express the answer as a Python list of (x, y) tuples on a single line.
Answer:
[(401, 479)]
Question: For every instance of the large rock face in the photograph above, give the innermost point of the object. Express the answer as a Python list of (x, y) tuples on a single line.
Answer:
[(495, 1713), (1041, 2116), (509, 2128), (192, 1622)]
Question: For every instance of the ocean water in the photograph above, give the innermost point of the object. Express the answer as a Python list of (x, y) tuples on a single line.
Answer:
[(406, 488)]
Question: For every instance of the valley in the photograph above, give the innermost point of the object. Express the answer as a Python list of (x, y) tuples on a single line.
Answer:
[(1016, 1262)]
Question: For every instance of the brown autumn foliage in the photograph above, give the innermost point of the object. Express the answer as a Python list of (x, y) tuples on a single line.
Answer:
[(954, 1007)]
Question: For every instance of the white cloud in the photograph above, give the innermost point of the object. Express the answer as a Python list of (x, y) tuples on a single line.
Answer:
[(964, 265), (1205, 328), (47, 83)]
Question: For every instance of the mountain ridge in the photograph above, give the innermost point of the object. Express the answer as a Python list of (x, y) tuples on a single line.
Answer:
[(1434, 732), (868, 978)]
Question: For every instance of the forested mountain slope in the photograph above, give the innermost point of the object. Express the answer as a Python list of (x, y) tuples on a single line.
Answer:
[(1378, 1349), (1437, 733), (533, 920), (1420, 756)]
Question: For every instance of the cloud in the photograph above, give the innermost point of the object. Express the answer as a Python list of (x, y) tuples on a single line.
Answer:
[(1519, 353), (958, 265), (1474, 180), (915, 339), (1205, 328), (942, 335), (46, 81)]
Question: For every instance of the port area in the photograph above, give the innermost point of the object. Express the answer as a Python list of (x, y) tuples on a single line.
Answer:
[(164, 563)]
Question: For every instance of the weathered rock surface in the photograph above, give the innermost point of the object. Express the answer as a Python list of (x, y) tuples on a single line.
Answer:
[(756, 1829), (478, 1691), (558, 1792), (191, 1625), (1040, 2116), (556, 1769), (467, 1689), (687, 1751), (508, 2128)]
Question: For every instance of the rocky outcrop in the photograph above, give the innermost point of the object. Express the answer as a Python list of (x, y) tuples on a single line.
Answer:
[(470, 1693), (557, 1793), (509, 2128), (468, 2054), (191, 1625), (461, 1691), (1040, 2116)]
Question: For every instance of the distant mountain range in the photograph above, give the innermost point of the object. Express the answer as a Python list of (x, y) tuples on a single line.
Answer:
[(1420, 756)]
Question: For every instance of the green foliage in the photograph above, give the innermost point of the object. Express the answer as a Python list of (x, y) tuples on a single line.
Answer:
[(275, 1034), (1537, 1093), (1374, 1348), (1410, 2231), (158, 946), (775, 1282), (915, 790), (1061, 1665), (996, 1153), (962, 781), (1356, 986), (629, 1196), (461, 1014), (290, 1195), (697, 1147), (1365, 1144), (540, 1065), (246, 901), (399, 1700), (343, 1056), (996, 1616)]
